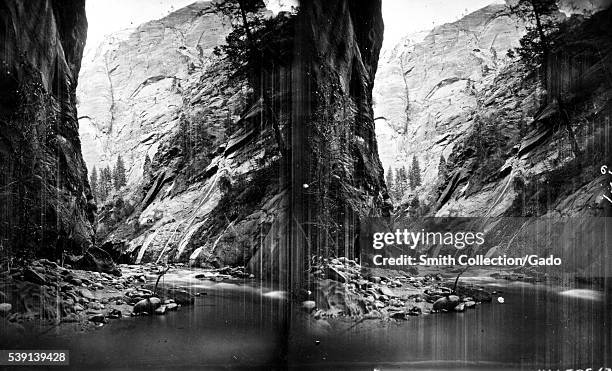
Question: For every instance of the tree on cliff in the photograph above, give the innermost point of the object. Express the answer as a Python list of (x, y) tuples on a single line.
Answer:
[(442, 169), (105, 184), (93, 183), (254, 44), (401, 182), (119, 174), (541, 23), (415, 173), (241, 43), (146, 167), (389, 179)]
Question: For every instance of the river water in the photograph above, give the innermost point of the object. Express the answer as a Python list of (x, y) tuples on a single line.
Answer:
[(241, 326)]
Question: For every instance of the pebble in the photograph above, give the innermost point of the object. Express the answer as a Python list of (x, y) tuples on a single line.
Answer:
[(114, 314), (387, 291)]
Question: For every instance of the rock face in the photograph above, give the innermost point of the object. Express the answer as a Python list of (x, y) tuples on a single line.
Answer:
[(134, 83), (539, 157), (512, 146), (45, 197), (235, 179), (425, 91)]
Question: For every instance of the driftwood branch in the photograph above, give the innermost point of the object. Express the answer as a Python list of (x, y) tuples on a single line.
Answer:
[(159, 276)]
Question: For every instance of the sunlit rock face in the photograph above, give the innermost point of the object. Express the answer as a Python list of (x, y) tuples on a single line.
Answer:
[(220, 190), (158, 92), (43, 180), (425, 91), (134, 82)]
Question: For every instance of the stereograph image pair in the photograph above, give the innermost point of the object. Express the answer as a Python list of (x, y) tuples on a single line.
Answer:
[(314, 184)]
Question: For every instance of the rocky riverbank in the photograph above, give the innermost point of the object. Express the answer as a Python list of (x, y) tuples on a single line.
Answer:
[(44, 294), (342, 287)]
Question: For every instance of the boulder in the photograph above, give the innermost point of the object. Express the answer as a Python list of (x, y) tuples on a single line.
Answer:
[(161, 310), (86, 294), (334, 274), (98, 318), (446, 303), (398, 315), (5, 308), (33, 276), (387, 292), (147, 305), (97, 260), (308, 305)]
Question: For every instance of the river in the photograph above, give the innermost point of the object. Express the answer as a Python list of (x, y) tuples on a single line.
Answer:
[(237, 325)]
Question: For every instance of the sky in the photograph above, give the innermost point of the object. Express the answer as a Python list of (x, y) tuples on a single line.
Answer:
[(401, 17)]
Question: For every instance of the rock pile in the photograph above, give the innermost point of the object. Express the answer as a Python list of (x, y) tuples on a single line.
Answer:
[(46, 292), (343, 287), (224, 273)]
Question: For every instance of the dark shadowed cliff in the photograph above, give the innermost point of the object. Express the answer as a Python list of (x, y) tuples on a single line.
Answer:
[(44, 193)]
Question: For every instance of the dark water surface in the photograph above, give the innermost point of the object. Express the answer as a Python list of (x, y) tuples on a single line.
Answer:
[(236, 326), (535, 327)]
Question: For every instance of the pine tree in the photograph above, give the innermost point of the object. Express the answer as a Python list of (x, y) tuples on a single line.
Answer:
[(404, 179), (93, 183), (102, 190), (397, 184), (105, 184), (536, 44), (389, 179), (119, 174), (415, 173), (442, 169), (146, 167), (109, 180)]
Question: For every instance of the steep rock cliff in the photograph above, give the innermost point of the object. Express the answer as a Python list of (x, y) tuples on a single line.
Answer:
[(133, 84), (44, 193), (234, 178), (425, 93), (536, 150)]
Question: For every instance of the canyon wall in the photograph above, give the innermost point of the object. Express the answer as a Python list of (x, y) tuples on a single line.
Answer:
[(237, 176), (425, 93), (45, 200), (497, 138), (544, 146)]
